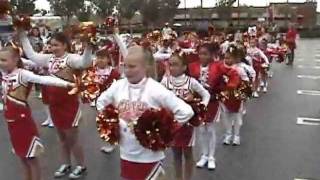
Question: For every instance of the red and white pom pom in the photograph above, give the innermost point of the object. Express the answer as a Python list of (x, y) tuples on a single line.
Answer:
[(155, 129), (108, 125), (199, 110), (89, 89)]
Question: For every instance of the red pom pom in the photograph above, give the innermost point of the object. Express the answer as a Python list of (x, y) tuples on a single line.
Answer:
[(23, 22), (110, 22), (155, 129), (89, 89), (108, 125), (199, 114)]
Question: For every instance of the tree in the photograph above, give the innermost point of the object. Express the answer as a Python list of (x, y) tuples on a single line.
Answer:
[(104, 8), (85, 14), (158, 11), (224, 9), (128, 8), (67, 8), (168, 9), (26, 7)]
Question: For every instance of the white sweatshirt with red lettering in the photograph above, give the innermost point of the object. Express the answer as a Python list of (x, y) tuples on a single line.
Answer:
[(132, 100)]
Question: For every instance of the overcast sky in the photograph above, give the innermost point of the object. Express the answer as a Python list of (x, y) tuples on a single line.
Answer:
[(44, 4)]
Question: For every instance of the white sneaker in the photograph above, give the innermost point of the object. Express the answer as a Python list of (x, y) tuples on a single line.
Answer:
[(78, 172), (270, 74), (227, 139), (107, 149), (46, 123), (202, 162), (244, 112), (259, 89), (255, 94), (93, 104), (261, 84), (51, 125), (236, 140), (211, 163), (265, 89), (62, 171)]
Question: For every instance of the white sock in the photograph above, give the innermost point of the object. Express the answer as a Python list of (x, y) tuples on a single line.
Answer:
[(212, 138), (237, 124), (227, 122), (203, 140)]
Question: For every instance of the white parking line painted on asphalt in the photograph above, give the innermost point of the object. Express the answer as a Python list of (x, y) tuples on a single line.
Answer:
[(308, 92), (308, 77), (308, 121), (308, 67)]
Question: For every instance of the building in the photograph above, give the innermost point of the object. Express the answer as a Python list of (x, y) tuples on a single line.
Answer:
[(303, 14)]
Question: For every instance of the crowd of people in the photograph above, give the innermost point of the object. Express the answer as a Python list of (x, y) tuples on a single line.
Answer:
[(159, 69)]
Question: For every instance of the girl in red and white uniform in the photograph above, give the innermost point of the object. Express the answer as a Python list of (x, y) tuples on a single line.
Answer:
[(232, 109), (259, 62), (16, 86), (64, 109), (185, 88), (132, 96), (105, 75), (210, 74)]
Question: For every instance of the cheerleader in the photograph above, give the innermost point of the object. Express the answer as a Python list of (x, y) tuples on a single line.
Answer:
[(132, 96), (210, 74), (105, 75), (64, 109), (16, 84), (259, 62), (232, 110), (184, 87)]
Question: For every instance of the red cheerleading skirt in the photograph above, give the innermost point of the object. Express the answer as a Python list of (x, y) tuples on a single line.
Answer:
[(45, 95), (257, 66), (233, 106), (212, 114), (140, 171), (23, 131), (64, 109), (184, 137)]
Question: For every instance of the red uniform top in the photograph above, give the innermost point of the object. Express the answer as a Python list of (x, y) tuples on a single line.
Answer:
[(291, 38), (216, 77)]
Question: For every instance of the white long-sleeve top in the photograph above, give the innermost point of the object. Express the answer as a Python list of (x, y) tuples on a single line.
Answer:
[(183, 85), (245, 71), (75, 61), (256, 54), (21, 77), (132, 100), (122, 47)]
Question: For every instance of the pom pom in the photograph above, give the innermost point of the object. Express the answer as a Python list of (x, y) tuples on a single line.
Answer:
[(199, 113), (155, 129), (90, 89), (108, 125), (23, 22)]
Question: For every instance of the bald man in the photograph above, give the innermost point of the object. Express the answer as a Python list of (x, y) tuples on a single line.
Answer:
[(132, 96)]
